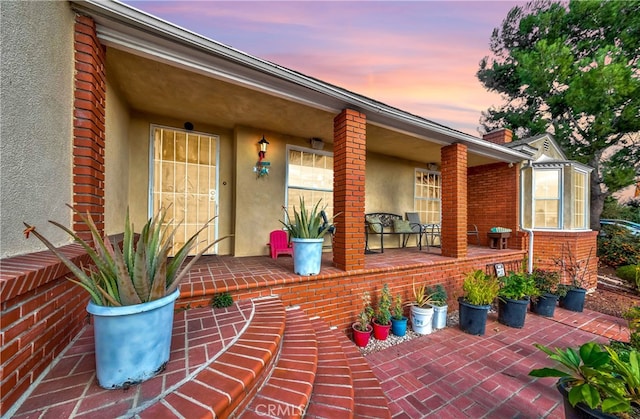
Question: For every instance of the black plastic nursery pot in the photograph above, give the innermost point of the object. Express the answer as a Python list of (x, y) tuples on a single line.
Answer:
[(544, 305), (580, 410), (574, 300), (473, 318), (512, 313)]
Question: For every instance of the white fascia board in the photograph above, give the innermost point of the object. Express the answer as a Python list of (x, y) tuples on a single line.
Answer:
[(130, 29)]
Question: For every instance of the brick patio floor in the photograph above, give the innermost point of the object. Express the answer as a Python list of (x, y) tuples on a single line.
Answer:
[(450, 374)]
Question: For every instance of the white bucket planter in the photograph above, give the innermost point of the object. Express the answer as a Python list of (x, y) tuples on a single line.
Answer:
[(307, 256), (440, 317), (422, 319), (132, 343)]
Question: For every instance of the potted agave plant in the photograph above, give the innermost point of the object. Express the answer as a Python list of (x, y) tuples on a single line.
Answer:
[(306, 229), (398, 319), (382, 319), (133, 290), (362, 328), (421, 310)]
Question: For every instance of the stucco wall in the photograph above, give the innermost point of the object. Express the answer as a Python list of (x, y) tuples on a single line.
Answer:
[(116, 188), (389, 184), (36, 89)]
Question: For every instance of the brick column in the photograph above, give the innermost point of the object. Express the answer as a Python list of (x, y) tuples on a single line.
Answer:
[(88, 125), (454, 200), (349, 157)]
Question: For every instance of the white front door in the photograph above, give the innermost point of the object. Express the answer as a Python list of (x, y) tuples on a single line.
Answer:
[(184, 180)]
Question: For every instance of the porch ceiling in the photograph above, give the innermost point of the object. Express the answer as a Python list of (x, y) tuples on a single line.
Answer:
[(157, 88)]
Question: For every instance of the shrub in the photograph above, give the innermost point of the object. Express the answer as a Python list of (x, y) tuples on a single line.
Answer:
[(617, 247), (629, 273)]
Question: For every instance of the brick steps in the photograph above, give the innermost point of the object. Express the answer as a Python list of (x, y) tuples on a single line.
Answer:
[(255, 359)]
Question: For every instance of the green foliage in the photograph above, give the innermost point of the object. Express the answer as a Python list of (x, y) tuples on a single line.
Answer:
[(367, 313), (588, 375), (547, 282), (222, 300), (633, 322), (629, 273), (480, 289), (420, 296), (438, 295), (572, 70), (618, 247), (518, 286), (397, 310), (383, 314), (614, 210), (139, 272), (305, 223)]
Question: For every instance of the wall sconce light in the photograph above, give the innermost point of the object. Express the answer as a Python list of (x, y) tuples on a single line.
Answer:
[(262, 167)]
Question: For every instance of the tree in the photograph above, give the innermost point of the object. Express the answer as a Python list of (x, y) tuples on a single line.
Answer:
[(572, 70)]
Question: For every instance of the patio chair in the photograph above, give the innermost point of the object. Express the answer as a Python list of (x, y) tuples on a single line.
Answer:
[(279, 244), (416, 226), (472, 230)]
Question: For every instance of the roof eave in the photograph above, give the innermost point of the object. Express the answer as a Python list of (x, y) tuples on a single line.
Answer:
[(136, 31)]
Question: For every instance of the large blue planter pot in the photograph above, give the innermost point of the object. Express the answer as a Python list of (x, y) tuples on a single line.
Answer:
[(132, 343), (574, 300), (512, 312), (307, 256)]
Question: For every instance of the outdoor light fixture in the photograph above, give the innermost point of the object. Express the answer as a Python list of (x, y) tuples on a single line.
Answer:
[(262, 167)]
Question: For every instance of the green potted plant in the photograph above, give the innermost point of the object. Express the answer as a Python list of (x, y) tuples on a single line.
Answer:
[(421, 310), (594, 383), (575, 270), (306, 230), (362, 328), (480, 289), (382, 319), (516, 289), (548, 285), (133, 289), (398, 319), (440, 307)]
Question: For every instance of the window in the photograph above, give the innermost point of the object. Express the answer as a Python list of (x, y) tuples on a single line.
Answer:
[(309, 175), (546, 184), (580, 200), (427, 196)]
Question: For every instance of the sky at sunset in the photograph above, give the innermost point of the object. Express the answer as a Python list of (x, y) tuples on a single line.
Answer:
[(419, 56)]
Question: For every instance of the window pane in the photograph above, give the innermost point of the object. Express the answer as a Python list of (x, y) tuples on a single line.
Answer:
[(547, 182), (547, 198), (310, 175), (427, 196), (580, 199)]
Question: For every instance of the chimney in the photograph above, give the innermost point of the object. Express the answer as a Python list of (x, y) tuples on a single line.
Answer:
[(499, 136)]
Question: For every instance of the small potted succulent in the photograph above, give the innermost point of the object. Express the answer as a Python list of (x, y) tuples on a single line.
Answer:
[(480, 290), (362, 328), (382, 319), (440, 307), (398, 319)]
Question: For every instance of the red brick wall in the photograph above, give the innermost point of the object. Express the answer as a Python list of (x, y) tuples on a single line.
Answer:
[(499, 136), (349, 154), (88, 125), (337, 297), (494, 200), (41, 313), (551, 246), (454, 200)]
